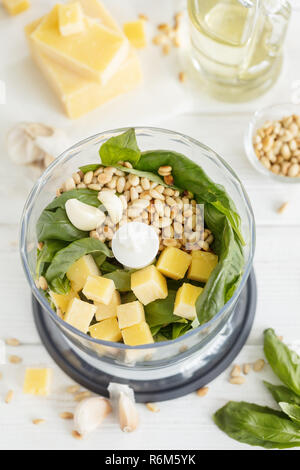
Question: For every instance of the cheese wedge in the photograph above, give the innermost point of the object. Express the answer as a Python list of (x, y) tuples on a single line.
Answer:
[(97, 53), (81, 270), (78, 95), (37, 381), (130, 314), (185, 301), (137, 335), (110, 310), (107, 330), (135, 32), (80, 314), (14, 7), (174, 263), (70, 19), (148, 284)]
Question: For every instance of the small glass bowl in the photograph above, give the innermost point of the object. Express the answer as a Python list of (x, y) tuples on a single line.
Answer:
[(270, 113)]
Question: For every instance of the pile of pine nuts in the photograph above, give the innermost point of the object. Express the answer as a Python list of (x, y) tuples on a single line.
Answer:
[(277, 146), (175, 217)]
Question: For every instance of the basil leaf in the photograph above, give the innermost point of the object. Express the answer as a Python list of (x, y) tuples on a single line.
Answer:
[(60, 286), (108, 267), (293, 411), (121, 278), (56, 226), (146, 174), (46, 254), (88, 196), (91, 167), (99, 259), (284, 362), (257, 425), (160, 312), (282, 393), (179, 329), (68, 255), (122, 147)]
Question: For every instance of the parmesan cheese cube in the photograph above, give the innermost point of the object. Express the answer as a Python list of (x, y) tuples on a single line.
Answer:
[(130, 314), (106, 330), (37, 381), (81, 270), (62, 301), (70, 19), (110, 310), (148, 284), (100, 289), (135, 32), (14, 7), (185, 301), (174, 263), (137, 335), (202, 265), (80, 314)]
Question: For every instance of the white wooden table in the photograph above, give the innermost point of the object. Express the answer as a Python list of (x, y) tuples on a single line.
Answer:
[(184, 423)]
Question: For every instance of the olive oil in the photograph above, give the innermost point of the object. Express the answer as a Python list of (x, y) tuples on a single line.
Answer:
[(236, 45)]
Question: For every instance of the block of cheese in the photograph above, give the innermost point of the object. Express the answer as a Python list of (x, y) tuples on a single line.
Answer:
[(137, 335), (130, 314), (135, 32), (14, 7), (96, 10), (97, 53), (100, 289), (110, 310), (80, 314), (148, 284), (174, 263), (81, 270), (70, 19), (78, 95), (202, 265), (107, 330), (37, 381), (185, 301), (62, 301)]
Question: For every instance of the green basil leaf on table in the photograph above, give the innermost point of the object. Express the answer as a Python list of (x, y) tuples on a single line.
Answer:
[(284, 362), (281, 393), (257, 425), (121, 278), (55, 225), (46, 254), (67, 256), (120, 148), (293, 411)]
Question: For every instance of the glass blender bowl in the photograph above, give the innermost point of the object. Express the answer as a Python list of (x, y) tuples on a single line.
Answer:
[(158, 363)]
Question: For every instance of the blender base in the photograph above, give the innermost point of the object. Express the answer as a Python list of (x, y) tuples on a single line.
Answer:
[(155, 390)]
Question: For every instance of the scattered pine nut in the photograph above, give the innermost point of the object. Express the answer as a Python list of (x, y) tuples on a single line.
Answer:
[(82, 395), (152, 407), (144, 17), (15, 359), (38, 421), (182, 77), (73, 389), (12, 342), (246, 368), (163, 27), (76, 435), (66, 415), (258, 365), (9, 396), (40, 245), (202, 391), (236, 371), (166, 49), (237, 380), (282, 208)]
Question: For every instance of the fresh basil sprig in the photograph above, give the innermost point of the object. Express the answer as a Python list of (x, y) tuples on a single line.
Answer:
[(55, 225), (284, 362), (122, 147)]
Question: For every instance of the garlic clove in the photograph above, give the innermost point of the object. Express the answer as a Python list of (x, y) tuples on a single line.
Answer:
[(90, 413), (128, 414), (55, 144), (112, 204), (83, 216)]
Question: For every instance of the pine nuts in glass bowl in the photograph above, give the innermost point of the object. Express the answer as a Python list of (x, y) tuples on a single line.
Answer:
[(272, 142)]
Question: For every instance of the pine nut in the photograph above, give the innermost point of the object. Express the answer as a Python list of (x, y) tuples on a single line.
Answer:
[(134, 180), (81, 186), (121, 184), (87, 179), (165, 170), (182, 76), (237, 380), (202, 391), (15, 359), (12, 342), (66, 415), (145, 183), (282, 208), (169, 180), (95, 187), (293, 170), (38, 421), (76, 178), (104, 178), (236, 371), (43, 283), (156, 195), (82, 395), (152, 407), (68, 185), (133, 194), (258, 365), (246, 368), (9, 396), (76, 435)]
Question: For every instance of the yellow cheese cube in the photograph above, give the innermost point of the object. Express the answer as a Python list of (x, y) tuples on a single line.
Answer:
[(14, 7), (137, 335), (81, 270), (148, 284), (100, 289), (80, 314), (173, 263), (70, 19), (135, 32), (202, 265), (61, 301), (130, 314), (37, 381), (107, 330), (80, 53), (185, 301), (110, 310)]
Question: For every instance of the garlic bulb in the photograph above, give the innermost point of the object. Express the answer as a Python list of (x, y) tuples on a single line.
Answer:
[(83, 216), (35, 143), (112, 204), (122, 399), (90, 413)]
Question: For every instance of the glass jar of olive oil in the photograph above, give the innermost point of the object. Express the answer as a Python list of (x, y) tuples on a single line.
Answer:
[(236, 45)]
